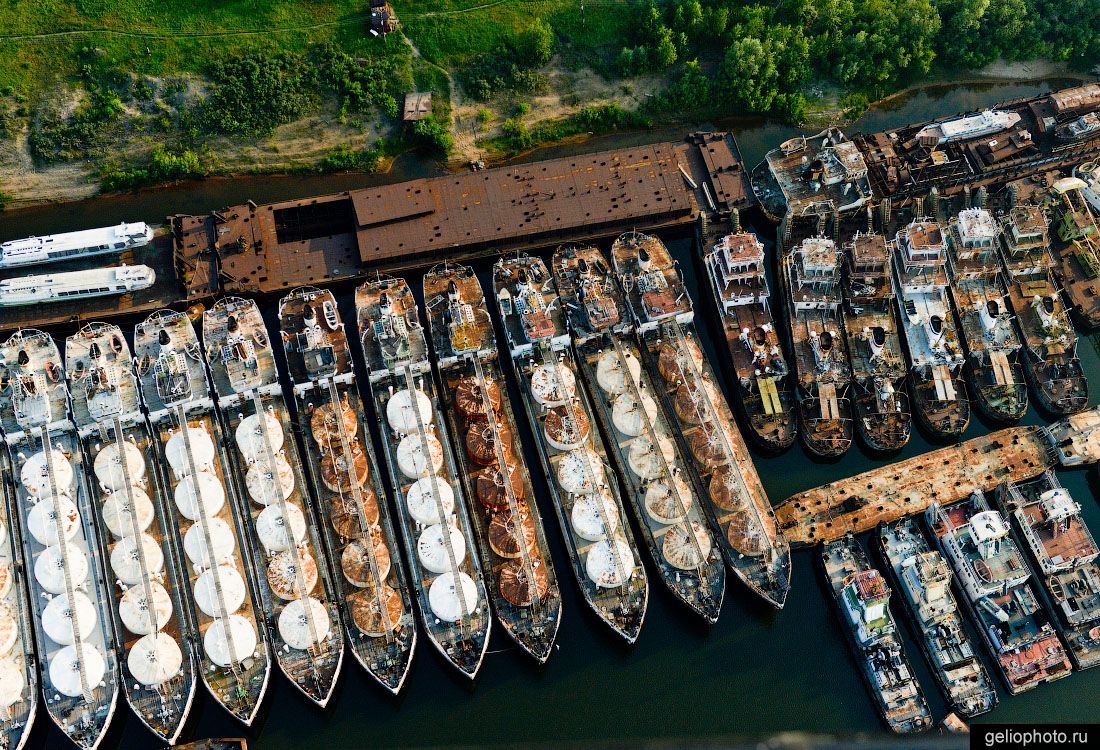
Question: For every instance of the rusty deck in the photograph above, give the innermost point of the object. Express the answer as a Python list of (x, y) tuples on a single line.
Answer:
[(947, 475)]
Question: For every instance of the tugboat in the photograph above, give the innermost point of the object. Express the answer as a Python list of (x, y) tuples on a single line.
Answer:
[(158, 673), (507, 526), (445, 570), (589, 508), (935, 358), (650, 462), (995, 582), (924, 578), (863, 602), (1050, 355), (811, 272), (370, 579), (723, 471), (874, 346), (735, 267), (297, 590), (19, 686), (1049, 523), (224, 603), (78, 667), (992, 344)]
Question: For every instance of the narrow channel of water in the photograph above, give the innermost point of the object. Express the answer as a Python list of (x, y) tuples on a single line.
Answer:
[(754, 674)]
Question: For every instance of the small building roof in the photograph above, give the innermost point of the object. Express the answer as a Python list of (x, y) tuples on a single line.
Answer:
[(418, 105)]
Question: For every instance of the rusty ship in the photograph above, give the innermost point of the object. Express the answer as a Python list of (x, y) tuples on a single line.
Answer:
[(989, 338), (862, 598), (508, 529), (155, 637), (371, 579), (71, 603), (735, 268), (995, 582), (650, 461), (1048, 521), (19, 693), (296, 588), (882, 412), (224, 605), (589, 507), (932, 343), (811, 272), (1076, 248), (1050, 343), (445, 570), (924, 578), (722, 469)]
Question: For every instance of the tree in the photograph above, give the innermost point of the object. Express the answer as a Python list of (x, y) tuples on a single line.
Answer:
[(749, 75), (664, 53), (432, 136), (535, 47)]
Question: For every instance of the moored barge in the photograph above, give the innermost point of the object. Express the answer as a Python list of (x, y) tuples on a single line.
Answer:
[(995, 583), (649, 460), (723, 471), (296, 586), (985, 322), (374, 595), (158, 671), (863, 603), (589, 507), (508, 529), (445, 571), (924, 578), (18, 666), (882, 410), (735, 268), (1050, 343), (932, 344), (223, 606), (811, 274), (78, 667), (1049, 522)]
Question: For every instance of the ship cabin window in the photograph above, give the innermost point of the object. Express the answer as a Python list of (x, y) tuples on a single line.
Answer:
[(119, 245)]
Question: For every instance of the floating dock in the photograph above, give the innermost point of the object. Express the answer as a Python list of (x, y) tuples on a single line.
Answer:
[(943, 476)]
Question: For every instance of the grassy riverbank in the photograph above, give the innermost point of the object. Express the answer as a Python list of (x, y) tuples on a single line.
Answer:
[(116, 94)]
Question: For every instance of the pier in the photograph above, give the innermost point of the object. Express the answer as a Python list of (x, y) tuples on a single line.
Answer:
[(943, 476)]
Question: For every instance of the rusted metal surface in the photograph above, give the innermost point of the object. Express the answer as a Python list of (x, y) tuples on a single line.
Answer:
[(947, 475)]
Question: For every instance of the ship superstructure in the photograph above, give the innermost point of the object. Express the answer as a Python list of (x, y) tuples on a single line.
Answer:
[(994, 580), (155, 637), (650, 462), (370, 575), (19, 694), (70, 601), (1049, 522), (84, 243), (722, 469), (206, 513), (444, 567), (296, 586), (966, 128), (991, 341), (924, 578), (811, 271), (735, 267), (1050, 343), (874, 344), (863, 602), (932, 344), (586, 495), (75, 285), (508, 529)]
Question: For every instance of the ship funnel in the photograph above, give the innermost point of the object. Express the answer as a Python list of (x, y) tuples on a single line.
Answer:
[(452, 291), (885, 390), (988, 313), (23, 358), (934, 328), (231, 324), (163, 338), (877, 339), (94, 351), (643, 259), (1045, 308), (521, 279)]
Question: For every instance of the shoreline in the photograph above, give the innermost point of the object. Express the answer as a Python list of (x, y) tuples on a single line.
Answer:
[(81, 188)]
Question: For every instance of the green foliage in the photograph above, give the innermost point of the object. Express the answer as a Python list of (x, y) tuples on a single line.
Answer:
[(347, 159), (56, 139), (164, 165), (432, 136), (517, 136), (254, 93), (362, 85), (5, 199), (512, 66)]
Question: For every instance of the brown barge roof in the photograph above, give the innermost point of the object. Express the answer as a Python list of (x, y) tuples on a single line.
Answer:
[(327, 238)]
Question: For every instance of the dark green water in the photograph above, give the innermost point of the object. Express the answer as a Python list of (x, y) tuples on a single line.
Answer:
[(754, 674)]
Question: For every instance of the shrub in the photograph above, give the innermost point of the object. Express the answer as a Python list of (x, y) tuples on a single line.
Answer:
[(347, 159), (163, 165), (432, 136), (252, 94)]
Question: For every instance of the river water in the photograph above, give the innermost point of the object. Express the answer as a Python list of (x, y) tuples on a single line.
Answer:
[(754, 674)]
